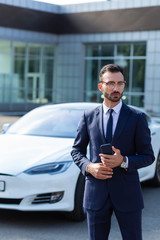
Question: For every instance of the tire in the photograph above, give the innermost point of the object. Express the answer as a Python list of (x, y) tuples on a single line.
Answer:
[(156, 180), (78, 214)]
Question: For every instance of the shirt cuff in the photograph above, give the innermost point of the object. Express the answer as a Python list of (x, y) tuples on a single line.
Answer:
[(124, 164), (86, 172)]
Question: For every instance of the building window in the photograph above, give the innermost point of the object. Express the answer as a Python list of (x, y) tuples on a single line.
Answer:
[(26, 72), (5, 70), (33, 67), (130, 56)]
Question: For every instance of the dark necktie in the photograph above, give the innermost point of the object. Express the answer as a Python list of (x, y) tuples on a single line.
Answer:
[(109, 127)]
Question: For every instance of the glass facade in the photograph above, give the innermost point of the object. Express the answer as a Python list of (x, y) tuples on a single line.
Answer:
[(130, 56), (26, 72), (5, 70)]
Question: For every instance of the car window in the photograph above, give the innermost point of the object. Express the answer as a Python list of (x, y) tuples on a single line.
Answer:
[(48, 122)]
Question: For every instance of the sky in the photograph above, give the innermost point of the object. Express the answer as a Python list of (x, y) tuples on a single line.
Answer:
[(64, 2)]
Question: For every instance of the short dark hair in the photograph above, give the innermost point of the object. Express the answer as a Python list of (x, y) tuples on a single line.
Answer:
[(110, 68)]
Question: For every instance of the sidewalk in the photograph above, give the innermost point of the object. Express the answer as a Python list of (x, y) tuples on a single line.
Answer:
[(7, 119)]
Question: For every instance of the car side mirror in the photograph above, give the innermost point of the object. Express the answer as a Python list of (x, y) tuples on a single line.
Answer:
[(5, 127)]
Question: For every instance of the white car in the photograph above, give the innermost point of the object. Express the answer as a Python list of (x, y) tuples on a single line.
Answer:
[(36, 169)]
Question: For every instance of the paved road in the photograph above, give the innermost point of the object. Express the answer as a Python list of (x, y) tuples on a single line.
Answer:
[(51, 226)]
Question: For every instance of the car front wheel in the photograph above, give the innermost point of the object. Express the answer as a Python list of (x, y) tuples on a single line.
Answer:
[(156, 180), (78, 214)]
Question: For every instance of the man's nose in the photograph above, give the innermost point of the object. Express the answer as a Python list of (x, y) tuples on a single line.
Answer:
[(115, 87)]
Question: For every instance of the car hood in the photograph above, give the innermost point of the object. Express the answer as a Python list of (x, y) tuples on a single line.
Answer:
[(20, 152)]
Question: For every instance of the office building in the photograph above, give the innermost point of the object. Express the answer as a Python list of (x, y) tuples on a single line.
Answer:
[(52, 54)]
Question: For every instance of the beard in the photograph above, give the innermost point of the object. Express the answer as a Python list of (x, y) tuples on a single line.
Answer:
[(114, 96)]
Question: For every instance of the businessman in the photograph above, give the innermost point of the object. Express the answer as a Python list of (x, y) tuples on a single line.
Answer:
[(112, 181)]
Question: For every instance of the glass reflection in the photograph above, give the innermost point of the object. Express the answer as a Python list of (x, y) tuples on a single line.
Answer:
[(58, 122), (123, 50), (127, 56), (92, 51), (138, 75)]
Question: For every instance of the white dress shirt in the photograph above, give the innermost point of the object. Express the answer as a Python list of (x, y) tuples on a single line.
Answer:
[(115, 115)]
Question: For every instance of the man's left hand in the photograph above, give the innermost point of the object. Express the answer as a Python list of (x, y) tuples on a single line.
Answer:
[(112, 161)]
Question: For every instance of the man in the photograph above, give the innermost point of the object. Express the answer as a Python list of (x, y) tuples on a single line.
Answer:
[(112, 181)]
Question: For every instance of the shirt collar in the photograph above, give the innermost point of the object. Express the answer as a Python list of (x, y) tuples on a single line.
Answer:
[(116, 109)]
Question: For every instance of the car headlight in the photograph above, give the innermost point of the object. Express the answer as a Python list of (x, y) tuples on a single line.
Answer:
[(49, 168)]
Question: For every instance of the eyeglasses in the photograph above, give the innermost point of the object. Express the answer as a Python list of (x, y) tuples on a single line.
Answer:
[(112, 84)]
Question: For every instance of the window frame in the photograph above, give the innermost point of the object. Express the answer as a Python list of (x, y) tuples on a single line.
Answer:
[(130, 93)]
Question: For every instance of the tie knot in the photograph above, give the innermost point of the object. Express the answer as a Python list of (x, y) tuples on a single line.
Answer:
[(110, 111)]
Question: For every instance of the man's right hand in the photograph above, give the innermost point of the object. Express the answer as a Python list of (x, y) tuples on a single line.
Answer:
[(99, 171)]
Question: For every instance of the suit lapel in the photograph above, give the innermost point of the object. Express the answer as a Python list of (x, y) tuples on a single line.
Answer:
[(122, 120), (99, 119)]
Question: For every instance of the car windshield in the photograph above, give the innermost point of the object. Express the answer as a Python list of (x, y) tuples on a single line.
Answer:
[(49, 122)]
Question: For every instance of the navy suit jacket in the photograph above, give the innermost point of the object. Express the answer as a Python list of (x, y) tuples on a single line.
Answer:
[(132, 138)]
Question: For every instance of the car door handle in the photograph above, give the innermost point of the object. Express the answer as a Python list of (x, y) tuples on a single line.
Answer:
[(153, 133)]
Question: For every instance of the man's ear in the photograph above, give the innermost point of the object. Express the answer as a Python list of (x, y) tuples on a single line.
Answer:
[(100, 87)]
